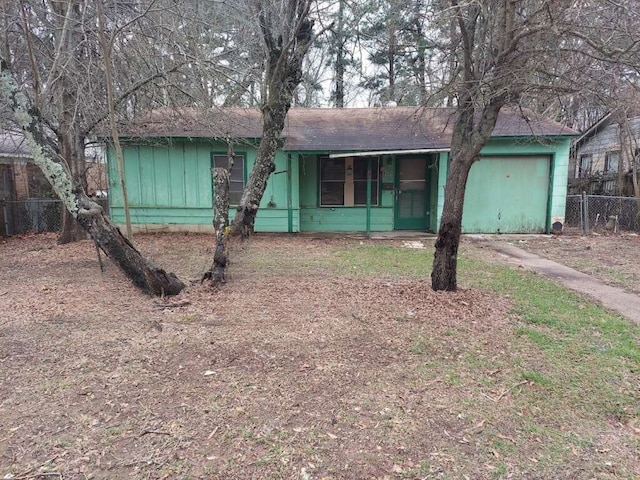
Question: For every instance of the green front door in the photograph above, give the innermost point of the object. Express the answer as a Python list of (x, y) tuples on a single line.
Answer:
[(411, 193)]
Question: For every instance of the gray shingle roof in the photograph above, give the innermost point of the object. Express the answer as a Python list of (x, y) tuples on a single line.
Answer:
[(324, 129)]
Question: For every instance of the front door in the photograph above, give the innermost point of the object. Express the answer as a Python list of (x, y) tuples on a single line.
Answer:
[(411, 193)]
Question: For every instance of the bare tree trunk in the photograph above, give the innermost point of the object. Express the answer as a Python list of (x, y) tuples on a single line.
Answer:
[(107, 236), (71, 143), (470, 135), (245, 217), (391, 59), (70, 231), (444, 272), (339, 39), (283, 74), (73, 153), (421, 53), (106, 48), (217, 272)]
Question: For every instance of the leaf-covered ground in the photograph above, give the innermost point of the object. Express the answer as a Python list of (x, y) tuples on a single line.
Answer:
[(320, 359)]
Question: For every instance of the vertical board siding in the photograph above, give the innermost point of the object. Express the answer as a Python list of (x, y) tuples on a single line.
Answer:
[(171, 184), (308, 181), (559, 178), (190, 155), (443, 171), (161, 184), (205, 179), (507, 195), (177, 170), (146, 177)]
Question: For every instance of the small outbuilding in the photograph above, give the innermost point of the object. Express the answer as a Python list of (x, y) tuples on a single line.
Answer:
[(343, 170)]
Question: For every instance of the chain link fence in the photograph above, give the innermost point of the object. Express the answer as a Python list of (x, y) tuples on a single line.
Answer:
[(34, 215), (602, 213), (585, 212)]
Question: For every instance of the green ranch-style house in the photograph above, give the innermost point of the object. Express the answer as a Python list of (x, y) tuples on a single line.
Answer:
[(342, 170)]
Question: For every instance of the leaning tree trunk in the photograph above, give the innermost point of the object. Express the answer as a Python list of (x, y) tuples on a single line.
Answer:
[(108, 237), (273, 123), (283, 75), (89, 214)]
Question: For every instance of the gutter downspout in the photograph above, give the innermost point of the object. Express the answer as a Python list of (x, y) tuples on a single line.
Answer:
[(552, 166)]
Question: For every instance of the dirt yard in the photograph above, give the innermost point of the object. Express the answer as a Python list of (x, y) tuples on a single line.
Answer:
[(294, 369), (611, 258)]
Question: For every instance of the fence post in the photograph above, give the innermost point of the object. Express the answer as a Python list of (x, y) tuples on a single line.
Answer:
[(585, 213)]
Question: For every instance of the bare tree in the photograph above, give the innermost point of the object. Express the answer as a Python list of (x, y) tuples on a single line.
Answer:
[(489, 56), (54, 51), (502, 51), (286, 34), (88, 214)]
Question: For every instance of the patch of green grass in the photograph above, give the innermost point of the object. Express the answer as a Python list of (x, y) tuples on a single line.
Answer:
[(375, 259), (500, 470), (564, 370), (586, 352), (419, 346), (116, 430), (536, 377), (537, 337), (419, 471)]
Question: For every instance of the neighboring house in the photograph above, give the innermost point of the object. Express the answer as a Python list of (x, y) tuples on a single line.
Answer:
[(343, 170), (27, 201), (20, 182), (599, 163), (20, 178)]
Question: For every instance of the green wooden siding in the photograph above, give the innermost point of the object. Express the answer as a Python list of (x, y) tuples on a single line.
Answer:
[(345, 219), (163, 176), (170, 184), (507, 194), (161, 216), (273, 215)]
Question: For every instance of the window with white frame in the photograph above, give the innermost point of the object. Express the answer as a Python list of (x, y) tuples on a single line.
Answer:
[(236, 179), (584, 166), (343, 181), (611, 162)]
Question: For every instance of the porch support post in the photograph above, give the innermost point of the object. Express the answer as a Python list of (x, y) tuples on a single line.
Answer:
[(289, 195), (3, 230), (368, 197)]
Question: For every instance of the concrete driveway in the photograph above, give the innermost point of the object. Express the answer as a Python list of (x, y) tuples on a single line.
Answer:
[(617, 299)]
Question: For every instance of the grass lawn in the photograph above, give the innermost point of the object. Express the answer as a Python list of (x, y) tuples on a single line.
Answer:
[(320, 359)]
